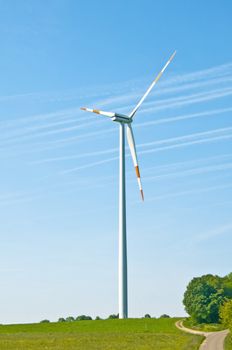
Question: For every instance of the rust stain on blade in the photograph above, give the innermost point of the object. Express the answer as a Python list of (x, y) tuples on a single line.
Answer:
[(96, 111), (137, 171)]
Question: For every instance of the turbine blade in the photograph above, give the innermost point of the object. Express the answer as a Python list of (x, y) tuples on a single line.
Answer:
[(131, 143), (97, 111), (151, 86)]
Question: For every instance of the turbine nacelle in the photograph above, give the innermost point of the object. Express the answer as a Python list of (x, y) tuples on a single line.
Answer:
[(121, 118)]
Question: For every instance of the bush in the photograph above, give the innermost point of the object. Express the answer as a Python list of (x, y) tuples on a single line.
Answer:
[(83, 318), (97, 318), (164, 316), (147, 316), (113, 316), (70, 319), (225, 313), (44, 321), (61, 319)]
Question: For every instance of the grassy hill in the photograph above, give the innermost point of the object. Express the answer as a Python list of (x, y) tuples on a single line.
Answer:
[(136, 334)]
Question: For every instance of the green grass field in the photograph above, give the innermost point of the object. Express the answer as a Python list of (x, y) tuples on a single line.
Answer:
[(136, 334), (228, 342)]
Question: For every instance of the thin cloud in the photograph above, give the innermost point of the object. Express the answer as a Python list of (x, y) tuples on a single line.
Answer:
[(116, 101), (189, 172), (185, 137), (181, 165), (178, 142), (214, 233), (186, 144), (184, 117), (221, 74), (153, 150), (185, 100), (189, 192), (90, 165), (79, 156)]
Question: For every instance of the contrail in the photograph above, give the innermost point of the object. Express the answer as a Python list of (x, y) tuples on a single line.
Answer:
[(39, 117), (52, 132), (195, 171), (148, 144), (164, 168), (186, 137), (77, 156), (188, 192), (171, 166), (213, 233), (90, 165), (153, 150), (125, 98), (158, 105), (185, 117), (186, 100), (184, 144)]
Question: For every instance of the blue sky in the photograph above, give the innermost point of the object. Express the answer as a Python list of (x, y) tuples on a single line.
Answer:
[(59, 165)]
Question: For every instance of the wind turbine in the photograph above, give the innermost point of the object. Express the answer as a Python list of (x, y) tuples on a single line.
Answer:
[(123, 120)]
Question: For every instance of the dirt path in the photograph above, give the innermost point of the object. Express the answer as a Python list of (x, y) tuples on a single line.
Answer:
[(213, 340)]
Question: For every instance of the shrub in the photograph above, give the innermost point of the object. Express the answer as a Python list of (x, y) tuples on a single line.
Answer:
[(225, 313), (70, 319), (83, 318), (113, 316)]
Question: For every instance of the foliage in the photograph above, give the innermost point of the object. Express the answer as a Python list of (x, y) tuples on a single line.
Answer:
[(83, 318), (70, 319), (228, 342), (204, 296), (226, 314), (44, 321), (61, 319), (205, 327), (147, 316), (97, 318), (227, 281), (113, 316), (164, 316), (111, 334)]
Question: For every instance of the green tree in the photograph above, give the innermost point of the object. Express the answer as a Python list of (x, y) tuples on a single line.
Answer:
[(227, 285), (113, 316), (70, 319), (147, 316), (44, 321), (83, 318), (164, 316), (203, 297), (225, 313), (61, 319)]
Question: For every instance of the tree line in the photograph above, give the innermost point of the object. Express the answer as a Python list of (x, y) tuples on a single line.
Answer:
[(89, 318)]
